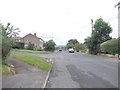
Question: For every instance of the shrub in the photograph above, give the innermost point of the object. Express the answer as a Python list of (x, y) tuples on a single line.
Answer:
[(18, 45), (6, 47), (49, 45), (30, 46), (6, 41), (40, 49), (110, 46)]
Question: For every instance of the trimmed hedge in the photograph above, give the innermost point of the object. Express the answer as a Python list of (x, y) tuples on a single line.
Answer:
[(111, 46)]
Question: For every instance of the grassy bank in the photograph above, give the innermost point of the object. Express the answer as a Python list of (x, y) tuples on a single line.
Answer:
[(31, 51), (33, 60), (4, 69)]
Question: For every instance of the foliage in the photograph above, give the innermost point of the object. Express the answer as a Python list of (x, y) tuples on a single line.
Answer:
[(79, 47), (33, 60), (99, 35), (71, 43), (30, 46), (6, 47), (6, 41), (5, 70), (49, 45), (69, 46), (89, 45), (31, 51), (110, 46), (102, 30), (18, 45)]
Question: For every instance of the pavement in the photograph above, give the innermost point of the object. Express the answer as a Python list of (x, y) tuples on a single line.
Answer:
[(26, 76)]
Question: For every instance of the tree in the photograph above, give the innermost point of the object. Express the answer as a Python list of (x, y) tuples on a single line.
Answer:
[(99, 35), (71, 43), (49, 45), (79, 47), (102, 29), (6, 40), (88, 44), (30, 46)]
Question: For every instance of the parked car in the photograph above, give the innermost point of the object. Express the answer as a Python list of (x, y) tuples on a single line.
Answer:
[(60, 50), (71, 50)]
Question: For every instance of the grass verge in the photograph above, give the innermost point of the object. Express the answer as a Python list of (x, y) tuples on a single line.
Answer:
[(33, 60), (4, 69), (31, 51)]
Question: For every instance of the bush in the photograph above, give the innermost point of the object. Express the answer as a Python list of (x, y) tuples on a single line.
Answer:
[(110, 46), (18, 45), (6, 41), (40, 49), (6, 47), (79, 47), (30, 46), (49, 45)]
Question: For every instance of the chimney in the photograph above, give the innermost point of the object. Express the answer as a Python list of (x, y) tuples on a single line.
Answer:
[(35, 34)]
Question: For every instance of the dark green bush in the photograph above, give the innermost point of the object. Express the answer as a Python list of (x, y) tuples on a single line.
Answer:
[(30, 46), (6, 47), (6, 42), (49, 45), (110, 46), (18, 45)]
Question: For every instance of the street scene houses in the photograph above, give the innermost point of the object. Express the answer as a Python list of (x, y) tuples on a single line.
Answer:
[(38, 42), (82, 50)]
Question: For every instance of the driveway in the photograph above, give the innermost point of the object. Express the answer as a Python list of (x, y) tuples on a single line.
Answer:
[(27, 76), (77, 70)]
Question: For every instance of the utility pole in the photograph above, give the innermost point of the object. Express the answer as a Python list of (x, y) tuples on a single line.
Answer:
[(92, 24)]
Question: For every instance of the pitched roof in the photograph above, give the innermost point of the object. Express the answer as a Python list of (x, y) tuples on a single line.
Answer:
[(17, 37), (32, 35)]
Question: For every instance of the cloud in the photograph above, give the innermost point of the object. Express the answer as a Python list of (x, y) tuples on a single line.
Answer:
[(59, 20)]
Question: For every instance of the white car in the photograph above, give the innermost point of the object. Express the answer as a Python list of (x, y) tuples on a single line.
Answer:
[(71, 50)]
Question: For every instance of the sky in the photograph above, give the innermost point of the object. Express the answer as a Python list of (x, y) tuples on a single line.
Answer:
[(59, 20)]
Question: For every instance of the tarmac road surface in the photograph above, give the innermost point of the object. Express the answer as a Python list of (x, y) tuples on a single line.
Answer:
[(77, 70)]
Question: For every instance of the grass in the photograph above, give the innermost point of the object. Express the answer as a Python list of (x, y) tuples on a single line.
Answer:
[(31, 51), (4, 69), (33, 60)]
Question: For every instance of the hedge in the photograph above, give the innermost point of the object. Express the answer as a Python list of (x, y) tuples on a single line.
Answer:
[(18, 45), (111, 46)]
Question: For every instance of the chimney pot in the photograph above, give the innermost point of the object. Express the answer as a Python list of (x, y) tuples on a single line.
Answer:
[(35, 34)]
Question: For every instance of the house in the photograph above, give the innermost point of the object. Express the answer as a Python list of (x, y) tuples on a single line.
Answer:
[(17, 39), (38, 42)]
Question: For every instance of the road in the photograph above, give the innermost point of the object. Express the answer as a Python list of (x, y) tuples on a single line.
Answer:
[(77, 70)]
